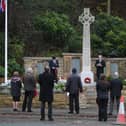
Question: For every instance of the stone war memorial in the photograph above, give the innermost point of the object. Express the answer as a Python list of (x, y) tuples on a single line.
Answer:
[(86, 75), (84, 64), (54, 37)]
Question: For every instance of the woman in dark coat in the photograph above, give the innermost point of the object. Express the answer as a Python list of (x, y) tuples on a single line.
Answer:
[(15, 89), (102, 88), (46, 81)]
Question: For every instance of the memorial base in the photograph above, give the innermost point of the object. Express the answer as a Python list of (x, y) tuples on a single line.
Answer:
[(87, 78), (88, 97)]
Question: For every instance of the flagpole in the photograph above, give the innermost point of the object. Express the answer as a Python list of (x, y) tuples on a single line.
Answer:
[(6, 42)]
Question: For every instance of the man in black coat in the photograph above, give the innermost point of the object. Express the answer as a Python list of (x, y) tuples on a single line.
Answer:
[(102, 88), (115, 91), (46, 81), (74, 86), (100, 64)]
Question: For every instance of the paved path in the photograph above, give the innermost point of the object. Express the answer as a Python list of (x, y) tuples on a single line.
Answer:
[(87, 117)]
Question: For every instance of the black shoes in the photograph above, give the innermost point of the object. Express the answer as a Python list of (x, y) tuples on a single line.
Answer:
[(70, 112), (99, 119), (29, 111), (77, 112), (105, 120), (51, 119), (15, 110), (110, 113), (102, 120), (42, 119)]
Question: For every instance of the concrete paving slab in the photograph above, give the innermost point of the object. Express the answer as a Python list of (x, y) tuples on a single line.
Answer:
[(87, 117)]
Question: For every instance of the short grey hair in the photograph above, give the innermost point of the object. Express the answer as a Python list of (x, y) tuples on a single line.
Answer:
[(116, 75), (29, 70)]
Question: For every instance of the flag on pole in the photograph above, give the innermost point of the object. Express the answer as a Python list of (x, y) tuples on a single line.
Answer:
[(2, 5), (6, 39)]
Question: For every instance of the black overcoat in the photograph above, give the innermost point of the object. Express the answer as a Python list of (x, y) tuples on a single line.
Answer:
[(102, 88), (16, 86), (116, 87), (99, 69), (46, 86)]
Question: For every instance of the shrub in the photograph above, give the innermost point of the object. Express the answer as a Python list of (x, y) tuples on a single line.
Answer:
[(124, 82), (13, 65), (1, 71), (59, 87)]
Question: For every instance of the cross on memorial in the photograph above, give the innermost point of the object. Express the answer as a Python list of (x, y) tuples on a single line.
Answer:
[(86, 19)]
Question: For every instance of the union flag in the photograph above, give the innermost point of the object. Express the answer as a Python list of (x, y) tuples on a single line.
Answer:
[(2, 5)]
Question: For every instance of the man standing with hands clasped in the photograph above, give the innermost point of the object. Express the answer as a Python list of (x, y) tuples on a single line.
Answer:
[(100, 64), (54, 64)]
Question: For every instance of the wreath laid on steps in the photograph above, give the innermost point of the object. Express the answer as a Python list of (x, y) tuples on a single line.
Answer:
[(87, 80)]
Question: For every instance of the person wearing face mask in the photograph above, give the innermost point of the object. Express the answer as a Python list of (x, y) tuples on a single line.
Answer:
[(100, 65)]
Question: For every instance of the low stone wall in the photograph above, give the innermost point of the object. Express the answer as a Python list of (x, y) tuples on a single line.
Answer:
[(69, 60), (87, 98), (60, 101), (38, 64)]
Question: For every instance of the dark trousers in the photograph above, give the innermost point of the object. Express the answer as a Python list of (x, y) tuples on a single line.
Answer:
[(54, 72), (102, 106), (27, 100), (43, 103), (74, 102), (112, 98), (98, 75)]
